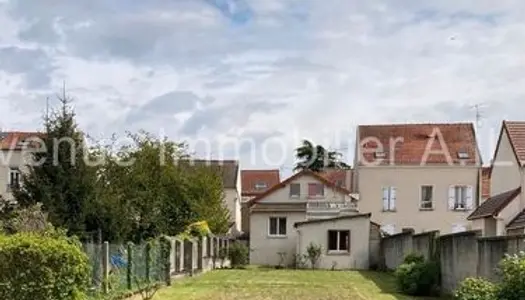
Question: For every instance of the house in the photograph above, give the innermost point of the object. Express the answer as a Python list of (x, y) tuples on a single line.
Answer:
[(254, 183), (229, 170), (341, 177), (307, 208), (14, 159), (502, 213), (418, 176)]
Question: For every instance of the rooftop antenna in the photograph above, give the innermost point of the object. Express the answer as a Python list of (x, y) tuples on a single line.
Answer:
[(479, 115)]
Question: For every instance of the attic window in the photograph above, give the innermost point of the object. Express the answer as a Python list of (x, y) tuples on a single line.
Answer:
[(260, 185), (463, 154), (380, 154)]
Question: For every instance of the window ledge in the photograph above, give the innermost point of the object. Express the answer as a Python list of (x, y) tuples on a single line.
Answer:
[(460, 209), (270, 236), (317, 197), (389, 210), (338, 253), (426, 209)]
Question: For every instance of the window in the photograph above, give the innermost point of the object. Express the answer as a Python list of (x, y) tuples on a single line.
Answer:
[(315, 189), (426, 196), (460, 197), (339, 182), (14, 178), (277, 226), (295, 190), (463, 155), (338, 241), (260, 185), (389, 198), (379, 154)]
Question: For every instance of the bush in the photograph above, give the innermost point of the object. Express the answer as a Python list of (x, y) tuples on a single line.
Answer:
[(512, 270), (417, 278), (313, 252), (476, 289), (42, 267), (238, 255), (414, 258)]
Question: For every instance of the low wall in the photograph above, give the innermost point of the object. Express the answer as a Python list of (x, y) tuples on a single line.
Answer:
[(461, 255)]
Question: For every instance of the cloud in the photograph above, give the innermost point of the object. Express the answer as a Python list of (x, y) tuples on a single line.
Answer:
[(301, 68)]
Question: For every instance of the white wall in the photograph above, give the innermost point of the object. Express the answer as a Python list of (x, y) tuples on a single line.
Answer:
[(11, 159), (317, 233)]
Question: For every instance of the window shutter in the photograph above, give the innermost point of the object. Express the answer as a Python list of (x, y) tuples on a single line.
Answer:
[(469, 197), (392, 198), (385, 198), (451, 197)]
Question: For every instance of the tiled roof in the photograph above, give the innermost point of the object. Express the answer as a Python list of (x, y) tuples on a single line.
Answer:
[(516, 133), (409, 144), (9, 140), (492, 206), (284, 183), (485, 182), (518, 221), (367, 215), (228, 169), (250, 179), (338, 175)]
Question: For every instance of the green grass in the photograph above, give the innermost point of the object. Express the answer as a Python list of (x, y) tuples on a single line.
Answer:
[(258, 284)]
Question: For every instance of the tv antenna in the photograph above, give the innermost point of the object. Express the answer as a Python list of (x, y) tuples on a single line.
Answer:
[(479, 116)]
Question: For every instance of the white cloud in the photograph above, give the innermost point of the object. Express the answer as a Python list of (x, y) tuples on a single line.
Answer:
[(286, 68)]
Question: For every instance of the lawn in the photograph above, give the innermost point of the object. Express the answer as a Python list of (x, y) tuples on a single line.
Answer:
[(258, 284)]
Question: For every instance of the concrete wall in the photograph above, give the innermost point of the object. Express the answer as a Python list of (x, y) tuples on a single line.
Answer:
[(461, 255), (317, 233), (375, 257), (408, 181)]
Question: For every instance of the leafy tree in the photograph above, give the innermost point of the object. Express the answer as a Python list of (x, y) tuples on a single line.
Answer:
[(58, 176), (316, 158)]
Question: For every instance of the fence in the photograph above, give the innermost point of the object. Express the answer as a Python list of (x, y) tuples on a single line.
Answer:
[(461, 255), (123, 268)]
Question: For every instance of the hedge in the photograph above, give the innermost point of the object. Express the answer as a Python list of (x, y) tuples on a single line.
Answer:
[(34, 267)]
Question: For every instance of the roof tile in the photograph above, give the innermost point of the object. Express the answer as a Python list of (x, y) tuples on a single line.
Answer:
[(409, 144), (492, 206), (9, 140), (516, 133), (251, 178)]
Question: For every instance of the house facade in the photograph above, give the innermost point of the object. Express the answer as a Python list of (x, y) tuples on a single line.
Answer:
[(15, 151), (418, 176), (255, 183), (307, 208), (502, 213)]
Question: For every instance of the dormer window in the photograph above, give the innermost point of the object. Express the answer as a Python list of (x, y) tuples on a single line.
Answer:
[(463, 154), (261, 185), (380, 154)]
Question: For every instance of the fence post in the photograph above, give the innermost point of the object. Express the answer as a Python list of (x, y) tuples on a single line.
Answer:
[(105, 267), (147, 256), (129, 274), (165, 247)]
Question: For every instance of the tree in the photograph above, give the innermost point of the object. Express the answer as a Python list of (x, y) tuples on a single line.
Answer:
[(58, 176), (316, 158)]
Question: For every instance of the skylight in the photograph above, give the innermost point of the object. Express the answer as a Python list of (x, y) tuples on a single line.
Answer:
[(463, 154)]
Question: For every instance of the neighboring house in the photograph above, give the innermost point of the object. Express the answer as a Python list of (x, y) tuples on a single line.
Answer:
[(502, 213), (485, 183), (419, 176), (231, 181), (340, 177), (306, 208), (254, 183), (14, 159)]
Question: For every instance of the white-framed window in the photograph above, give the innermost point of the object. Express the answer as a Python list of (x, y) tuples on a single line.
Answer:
[(460, 197), (338, 240), (389, 198), (260, 185), (14, 178), (427, 197), (315, 189), (277, 226), (295, 190)]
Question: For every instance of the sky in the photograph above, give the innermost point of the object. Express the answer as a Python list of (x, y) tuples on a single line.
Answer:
[(249, 79)]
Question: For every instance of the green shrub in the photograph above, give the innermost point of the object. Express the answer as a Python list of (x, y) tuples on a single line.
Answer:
[(512, 270), (313, 252), (418, 278), (476, 289), (238, 255), (42, 267), (414, 258)]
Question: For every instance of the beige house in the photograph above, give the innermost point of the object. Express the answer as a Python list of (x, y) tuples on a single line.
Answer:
[(229, 170), (502, 213), (418, 176), (255, 183), (15, 149), (307, 208)]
